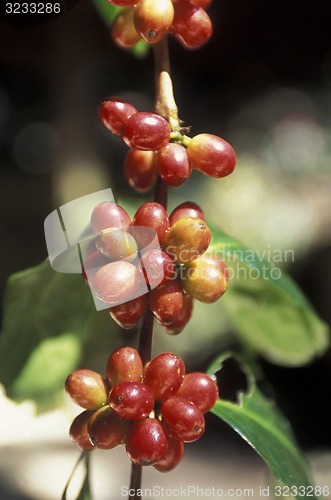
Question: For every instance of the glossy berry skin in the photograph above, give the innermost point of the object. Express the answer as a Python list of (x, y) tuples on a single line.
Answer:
[(187, 239), (191, 25), (123, 32), (200, 389), (153, 18), (114, 112), (146, 442), (183, 317), (212, 155), (164, 375), (106, 429), (87, 388), (92, 263), (128, 314), (158, 267), (124, 365), (186, 209), (116, 282), (166, 301), (154, 216), (116, 244), (173, 456), (108, 214), (146, 131), (140, 170), (131, 400), (78, 431), (184, 419), (173, 164), (204, 280), (123, 3)]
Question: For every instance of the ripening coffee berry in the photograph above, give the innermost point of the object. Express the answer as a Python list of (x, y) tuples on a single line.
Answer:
[(211, 155), (116, 244), (158, 267), (183, 317), (146, 442), (123, 31), (186, 209), (87, 388), (166, 301), (164, 375), (131, 400), (154, 216), (191, 25), (146, 131), (173, 164), (128, 314), (140, 170), (184, 419), (152, 19), (78, 431), (108, 214), (124, 365), (106, 429), (204, 280), (200, 389), (116, 282), (173, 456), (187, 239), (114, 112)]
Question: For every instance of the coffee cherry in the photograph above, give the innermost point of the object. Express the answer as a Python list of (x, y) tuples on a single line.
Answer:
[(116, 244), (200, 389), (204, 280), (184, 419), (131, 400), (164, 375), (152, 215), (78, 431), (107, 214), (183, 317), (87, 388), (173, 164), (92, 263), (146, 131), (152, 19), (186, 209), (146, 442), (106, 429), (114, 112), (140, 170), (158, 267), (191, 25), (123, 31), (211, 155), (166, 301), (124, 365), (187, 239), (128, 314), (173, 456), (116, 282)]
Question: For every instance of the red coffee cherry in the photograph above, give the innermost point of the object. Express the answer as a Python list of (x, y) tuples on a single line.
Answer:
[(152, 19), (200, 389), (173, 456), (166, 301), (146, 131), (78, 431), (124, 365), (116, 244), (191, 25), (186, 209), (152, 215), (140, 170), (128, 314), (123, 31), (183, 317), (87, 388), (211, 155), (114, 112), (173, 164), (164, 375), (106, 429), (184, 419), (116, 282), (158, 267), (146, 442), (108, 214), (131, 400)]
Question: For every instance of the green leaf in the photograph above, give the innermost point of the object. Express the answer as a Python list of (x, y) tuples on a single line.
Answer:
[(259, 423), (49, 322), (268, 311)]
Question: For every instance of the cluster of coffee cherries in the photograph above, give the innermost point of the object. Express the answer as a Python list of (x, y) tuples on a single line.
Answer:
[(153, 261), (156, 149), (152, 410), (151, 20)]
